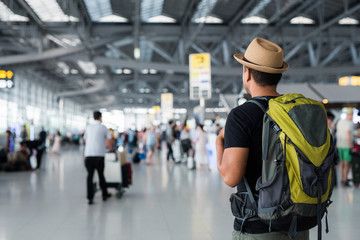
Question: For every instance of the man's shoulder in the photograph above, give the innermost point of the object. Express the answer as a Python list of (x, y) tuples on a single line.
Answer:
[(247, 109)]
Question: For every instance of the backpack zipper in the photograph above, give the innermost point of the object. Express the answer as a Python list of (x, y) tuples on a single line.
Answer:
[(293, 100)]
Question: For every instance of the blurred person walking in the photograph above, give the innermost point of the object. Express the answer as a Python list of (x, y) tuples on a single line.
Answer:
[(200, 147), (170, 132), (344, 144), (24, 133), (150, 144), (96, 138), (57, 143)]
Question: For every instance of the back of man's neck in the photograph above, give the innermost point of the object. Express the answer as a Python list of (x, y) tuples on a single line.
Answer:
[(259, 91)]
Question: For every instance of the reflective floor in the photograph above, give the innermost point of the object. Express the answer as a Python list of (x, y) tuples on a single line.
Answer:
[(166, 201)]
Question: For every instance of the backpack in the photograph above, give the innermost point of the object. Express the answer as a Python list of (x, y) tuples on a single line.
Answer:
[(297, 167)]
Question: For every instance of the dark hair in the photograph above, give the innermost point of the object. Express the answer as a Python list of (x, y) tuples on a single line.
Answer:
[(201, 126), (97, 115), (170, 122), (330, 115), (265, 79)]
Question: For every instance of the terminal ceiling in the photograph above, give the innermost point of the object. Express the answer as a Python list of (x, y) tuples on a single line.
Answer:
[(85, 48)]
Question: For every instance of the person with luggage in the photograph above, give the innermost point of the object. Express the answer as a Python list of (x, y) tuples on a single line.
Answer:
[(344, 144), (186, 145), (239, 143), (97, 138)]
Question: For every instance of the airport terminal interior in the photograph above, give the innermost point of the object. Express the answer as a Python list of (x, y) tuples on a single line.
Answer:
[(149, 66)]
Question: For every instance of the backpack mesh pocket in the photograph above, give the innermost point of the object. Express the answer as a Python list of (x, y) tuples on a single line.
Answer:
[(271, 192), (241, 206)]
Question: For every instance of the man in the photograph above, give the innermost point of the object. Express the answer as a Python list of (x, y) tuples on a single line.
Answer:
[(239, 143), (344, 143), (41, 148), (96, 138), (24, 133)]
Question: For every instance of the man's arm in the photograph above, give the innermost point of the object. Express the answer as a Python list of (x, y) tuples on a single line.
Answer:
[(231, 162)]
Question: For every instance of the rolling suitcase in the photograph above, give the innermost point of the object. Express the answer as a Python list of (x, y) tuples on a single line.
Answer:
[(126, 171), (176, 151)]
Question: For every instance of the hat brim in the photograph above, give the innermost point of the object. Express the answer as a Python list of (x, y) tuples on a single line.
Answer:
[(240, 58)]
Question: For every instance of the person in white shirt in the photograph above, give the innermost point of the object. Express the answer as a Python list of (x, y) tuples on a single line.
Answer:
[(96, 138), (344, 144)]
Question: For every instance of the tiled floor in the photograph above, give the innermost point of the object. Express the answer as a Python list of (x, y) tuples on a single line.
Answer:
[(165, 202)]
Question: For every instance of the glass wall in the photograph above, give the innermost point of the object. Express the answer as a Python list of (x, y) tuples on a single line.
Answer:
[(33, 104)]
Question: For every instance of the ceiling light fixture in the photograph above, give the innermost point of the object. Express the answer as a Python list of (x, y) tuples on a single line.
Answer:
[(254, 20), (161, 19), (348, 21), (208, 19), (137, 53), (301, 20)]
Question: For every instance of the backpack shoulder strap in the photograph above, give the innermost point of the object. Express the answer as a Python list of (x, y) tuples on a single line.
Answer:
[(257, 103), (254, 100)]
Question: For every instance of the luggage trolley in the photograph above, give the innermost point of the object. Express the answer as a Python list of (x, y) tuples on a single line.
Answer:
[(117, 174)]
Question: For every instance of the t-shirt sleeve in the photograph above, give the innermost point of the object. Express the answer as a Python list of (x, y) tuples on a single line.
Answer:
[(107, 133), (85, 135), (237, 131)]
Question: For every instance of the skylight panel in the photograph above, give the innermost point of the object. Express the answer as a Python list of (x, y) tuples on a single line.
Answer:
[(151, 8), (348, 21), (254, 20), (301, 20), (208, 19), (98, 9), (72, 42), (161, 19), (50, 11), (87, 67), (6, 14), (204, 9), (113, 18)]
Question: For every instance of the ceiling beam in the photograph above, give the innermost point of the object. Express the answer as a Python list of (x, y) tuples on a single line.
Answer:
[(52, 53), (223, 70), (31, 13), (333, 54), (329, 23), (100, 86), (275, 17)]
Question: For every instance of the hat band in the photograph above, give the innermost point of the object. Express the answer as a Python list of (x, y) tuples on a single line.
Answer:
[(261, 65)]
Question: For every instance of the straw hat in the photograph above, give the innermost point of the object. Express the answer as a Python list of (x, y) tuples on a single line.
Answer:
[(264, 56), (348, 110)]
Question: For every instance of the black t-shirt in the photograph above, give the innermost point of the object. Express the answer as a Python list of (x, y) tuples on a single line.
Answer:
[(244, 129)]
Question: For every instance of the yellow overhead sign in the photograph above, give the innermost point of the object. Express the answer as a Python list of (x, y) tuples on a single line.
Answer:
[(6, 79), (6, 74), (200, 76), (200, 61)]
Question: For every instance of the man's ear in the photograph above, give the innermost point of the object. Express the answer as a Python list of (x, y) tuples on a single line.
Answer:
[(246, 74)]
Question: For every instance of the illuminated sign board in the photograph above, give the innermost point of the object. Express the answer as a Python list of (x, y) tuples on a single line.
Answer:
[(167, 102), (200, 76), (6, 79), (349, 80)]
